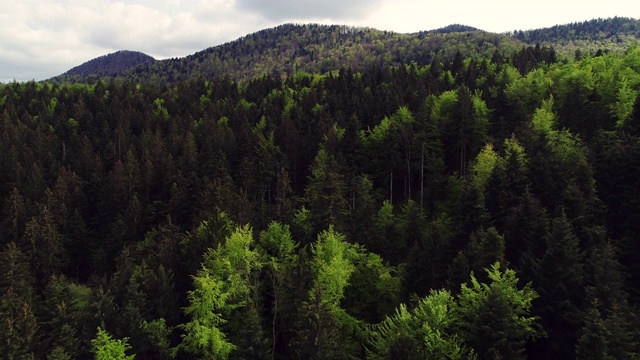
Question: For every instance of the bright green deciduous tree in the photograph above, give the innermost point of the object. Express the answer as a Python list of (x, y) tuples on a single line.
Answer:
[(326, 330), (222, 285), (331, 265), (623, 107), (484, 164), (280, 257), (107, 348), (544, 119), (425, 332)]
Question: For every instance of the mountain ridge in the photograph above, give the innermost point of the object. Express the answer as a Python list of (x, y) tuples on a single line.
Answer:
[(314, 48)]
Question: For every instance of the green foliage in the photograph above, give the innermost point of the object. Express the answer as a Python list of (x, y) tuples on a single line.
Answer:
[(530, 91), (53, 103), (445, 105), (202, 334), (159, 335), (302, 223), (107, 348), (485, 247), (559, 278), (374, 287), (380, 131), (385, 216), (278, 244), (544, 118), (426, 331), (70, 307), (325, 330), (160, 111), (593, 342), (623, 107), (17, 327), (495, 318), (515, 151), (402, 117), (325, 192), (331, 265), (483, 167), (279, 259), (222, 285), (58, 354), (480, 111)]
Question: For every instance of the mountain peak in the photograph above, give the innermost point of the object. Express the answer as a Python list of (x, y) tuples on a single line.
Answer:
[(111, 64)]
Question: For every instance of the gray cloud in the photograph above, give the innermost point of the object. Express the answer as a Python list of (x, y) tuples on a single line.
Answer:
[(285, 10)]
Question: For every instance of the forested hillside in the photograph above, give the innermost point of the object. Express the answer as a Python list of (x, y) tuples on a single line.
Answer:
[(111, 64), (320, 49), (481, 206), (613, 34)]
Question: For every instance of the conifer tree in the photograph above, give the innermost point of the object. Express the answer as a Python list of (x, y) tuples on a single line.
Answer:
[(494, 318), (560, 279)]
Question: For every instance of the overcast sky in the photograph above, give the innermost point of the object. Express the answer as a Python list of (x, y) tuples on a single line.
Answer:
[(44, 38)]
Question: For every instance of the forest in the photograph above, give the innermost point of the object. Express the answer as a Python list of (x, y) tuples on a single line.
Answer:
[(477, 207), (319, 49)]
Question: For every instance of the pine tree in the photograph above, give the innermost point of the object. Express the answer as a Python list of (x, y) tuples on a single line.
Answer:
[(593, 342), (18, 324), (325, 192), (494, 318), (560, 279)]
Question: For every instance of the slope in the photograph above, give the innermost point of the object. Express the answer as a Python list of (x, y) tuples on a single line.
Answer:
[(612, 34), (313, 48), (111, 64)]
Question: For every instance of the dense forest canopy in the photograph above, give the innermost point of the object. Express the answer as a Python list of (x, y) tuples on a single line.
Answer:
[(483, 205)]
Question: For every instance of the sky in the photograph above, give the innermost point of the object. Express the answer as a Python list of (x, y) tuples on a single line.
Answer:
[(44, 38)]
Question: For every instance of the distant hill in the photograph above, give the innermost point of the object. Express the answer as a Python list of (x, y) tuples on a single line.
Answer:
[(453, 28), (290, 48), (313, 48), (611, 34), (111, 64)]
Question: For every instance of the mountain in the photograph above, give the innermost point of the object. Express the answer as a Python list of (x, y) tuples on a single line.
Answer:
[(611, 34), (111, 64), (313, 48)]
